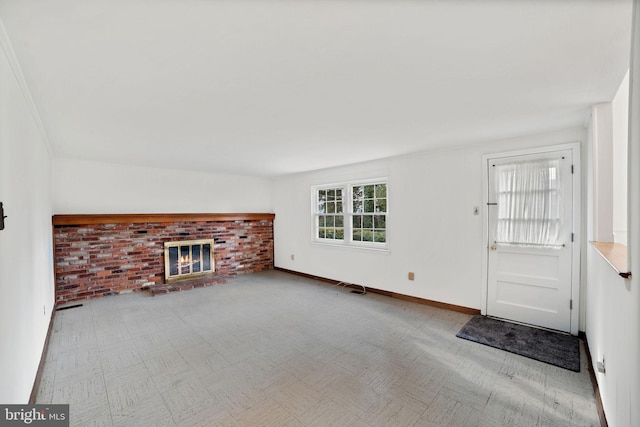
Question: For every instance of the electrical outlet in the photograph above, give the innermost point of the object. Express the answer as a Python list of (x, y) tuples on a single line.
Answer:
[(600, 366), (476, 210), (411, 275), (293, 257)]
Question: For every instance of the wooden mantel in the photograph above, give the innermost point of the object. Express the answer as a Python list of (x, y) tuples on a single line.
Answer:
[(83, 219)]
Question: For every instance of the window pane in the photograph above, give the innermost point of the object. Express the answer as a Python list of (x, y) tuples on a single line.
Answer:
[(358, 196), (329, 233), (339, 233), (173, 261), (185, 260), (330, 221), (331, 195), (381, 205), (380, 236), (206, 257), (357, 221), (331, 207), (338, 207), (196, 258), (369, 192), (339, 221), (379, 221), (321, 220), (322, 199), (381, 191), (367, 235), (367, 221), (369, 205), (321, 233), (553, 181), (357, 235)]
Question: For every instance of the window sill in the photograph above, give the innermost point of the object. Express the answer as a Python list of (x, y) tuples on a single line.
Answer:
[(616, 255)]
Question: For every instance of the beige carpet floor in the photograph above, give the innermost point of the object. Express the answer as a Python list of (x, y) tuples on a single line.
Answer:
[(273, 349)]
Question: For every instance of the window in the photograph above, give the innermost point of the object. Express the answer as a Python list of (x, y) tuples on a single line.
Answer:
[(369, 216), (330, 223), (529, 208), (352, 214)]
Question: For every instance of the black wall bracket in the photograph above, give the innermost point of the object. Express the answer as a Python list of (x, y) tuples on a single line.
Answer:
[(2, 216)]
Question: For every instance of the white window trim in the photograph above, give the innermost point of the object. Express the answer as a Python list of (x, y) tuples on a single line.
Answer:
[(347, 191)]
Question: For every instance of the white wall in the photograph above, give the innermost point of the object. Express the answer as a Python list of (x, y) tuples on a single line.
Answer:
[(431, 227), (612, 312), (601, 133), (26, 258), (85, 187), (608, 134), (620, 115), (613, 303), (612, 330)]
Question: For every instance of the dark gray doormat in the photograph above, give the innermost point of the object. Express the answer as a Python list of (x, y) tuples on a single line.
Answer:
[(549, 347)]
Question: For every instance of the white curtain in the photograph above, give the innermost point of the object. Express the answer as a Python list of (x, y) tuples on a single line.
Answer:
[(529, 208)]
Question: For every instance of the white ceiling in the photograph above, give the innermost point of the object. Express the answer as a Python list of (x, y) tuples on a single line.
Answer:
[(268, 87)]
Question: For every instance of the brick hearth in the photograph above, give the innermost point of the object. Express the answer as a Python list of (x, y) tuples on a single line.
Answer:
[(98, 255), (186, 284)]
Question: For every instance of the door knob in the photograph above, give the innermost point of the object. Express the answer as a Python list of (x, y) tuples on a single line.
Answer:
[(493, 247)]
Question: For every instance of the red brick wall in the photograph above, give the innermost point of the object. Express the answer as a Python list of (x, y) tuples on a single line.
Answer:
[(105, 259)]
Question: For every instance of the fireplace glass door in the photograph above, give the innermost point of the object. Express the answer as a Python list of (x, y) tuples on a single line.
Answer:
[(188, 258)]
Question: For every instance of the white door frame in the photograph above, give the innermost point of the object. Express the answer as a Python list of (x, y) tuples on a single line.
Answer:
[(577, 227)]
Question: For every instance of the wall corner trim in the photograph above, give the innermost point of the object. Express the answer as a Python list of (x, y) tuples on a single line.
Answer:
[(594, 381), (7, 46), (43, 357)]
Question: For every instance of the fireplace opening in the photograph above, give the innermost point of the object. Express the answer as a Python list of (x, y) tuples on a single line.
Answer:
[(188, 258)]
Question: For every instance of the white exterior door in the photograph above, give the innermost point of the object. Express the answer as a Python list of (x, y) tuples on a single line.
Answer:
[(530, 233)]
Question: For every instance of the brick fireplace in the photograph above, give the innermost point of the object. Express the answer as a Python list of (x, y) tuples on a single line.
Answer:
[(98, 255)]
